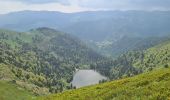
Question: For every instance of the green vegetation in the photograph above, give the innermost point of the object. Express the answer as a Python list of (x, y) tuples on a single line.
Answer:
[(43, 60), (125, 44), (135, 62), (10, 91), (148, 86), (153, 84)]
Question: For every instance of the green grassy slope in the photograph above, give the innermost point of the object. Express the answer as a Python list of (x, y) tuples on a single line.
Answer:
[(152, 85), (10, 91)]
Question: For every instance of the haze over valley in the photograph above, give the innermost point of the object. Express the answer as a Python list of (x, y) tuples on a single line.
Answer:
[(84, 50)]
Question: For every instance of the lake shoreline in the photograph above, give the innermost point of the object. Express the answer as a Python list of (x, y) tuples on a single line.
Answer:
[(86, 77)]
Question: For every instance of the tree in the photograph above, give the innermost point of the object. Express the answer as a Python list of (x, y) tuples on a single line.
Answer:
[(166, 65)]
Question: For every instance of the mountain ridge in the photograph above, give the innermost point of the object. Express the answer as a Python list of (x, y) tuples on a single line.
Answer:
[(47, 58), (95, 27)]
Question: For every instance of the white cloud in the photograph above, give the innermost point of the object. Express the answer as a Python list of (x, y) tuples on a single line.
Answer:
[(82, 5), (148, 5), (6, 6), (9, 6)]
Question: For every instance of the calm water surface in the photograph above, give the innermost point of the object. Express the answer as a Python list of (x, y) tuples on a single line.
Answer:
[(86, 77)]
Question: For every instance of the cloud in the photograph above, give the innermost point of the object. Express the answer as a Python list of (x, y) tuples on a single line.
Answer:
[(123, 4), (8, 6), (63, 2), (82, 5)]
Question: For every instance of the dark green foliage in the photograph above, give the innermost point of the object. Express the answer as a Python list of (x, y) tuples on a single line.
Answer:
[(166, 65), (44, 60), (47, 58), (147, 86), (135, 62)]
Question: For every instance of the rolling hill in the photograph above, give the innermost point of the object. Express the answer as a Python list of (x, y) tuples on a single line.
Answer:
[(125, 44), (96, 25), (109, 32), (44, 60), (139, 61), (151, 86)]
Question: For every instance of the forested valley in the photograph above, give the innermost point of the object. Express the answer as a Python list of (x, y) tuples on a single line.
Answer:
[(41, 52)]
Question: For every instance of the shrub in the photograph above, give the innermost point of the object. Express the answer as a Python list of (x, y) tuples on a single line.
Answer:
[(166, 66)]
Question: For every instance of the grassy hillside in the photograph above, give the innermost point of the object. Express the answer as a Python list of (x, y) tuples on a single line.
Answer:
[(44, 60), (155, 57), (152, 85), (10, 91), (135, 62)]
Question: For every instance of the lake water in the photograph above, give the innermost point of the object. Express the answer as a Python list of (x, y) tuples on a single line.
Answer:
[(86, 77)]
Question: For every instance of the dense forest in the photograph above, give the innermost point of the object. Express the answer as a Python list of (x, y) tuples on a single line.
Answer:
[(46, 58), (153, 84), (84, 50), (43, 60), (134, 62)]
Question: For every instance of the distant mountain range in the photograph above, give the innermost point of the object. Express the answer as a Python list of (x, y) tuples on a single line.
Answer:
[(95, 26), (109, 32), (39, 60)]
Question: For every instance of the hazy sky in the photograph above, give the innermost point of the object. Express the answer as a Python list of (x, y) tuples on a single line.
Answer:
[(69, 6)]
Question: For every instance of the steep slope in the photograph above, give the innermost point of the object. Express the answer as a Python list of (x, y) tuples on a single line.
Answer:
[(138, 61), (151, 86), (43, 60), (10, 91)]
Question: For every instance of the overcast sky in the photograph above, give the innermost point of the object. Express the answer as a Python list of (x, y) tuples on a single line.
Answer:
[(70, 6)]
